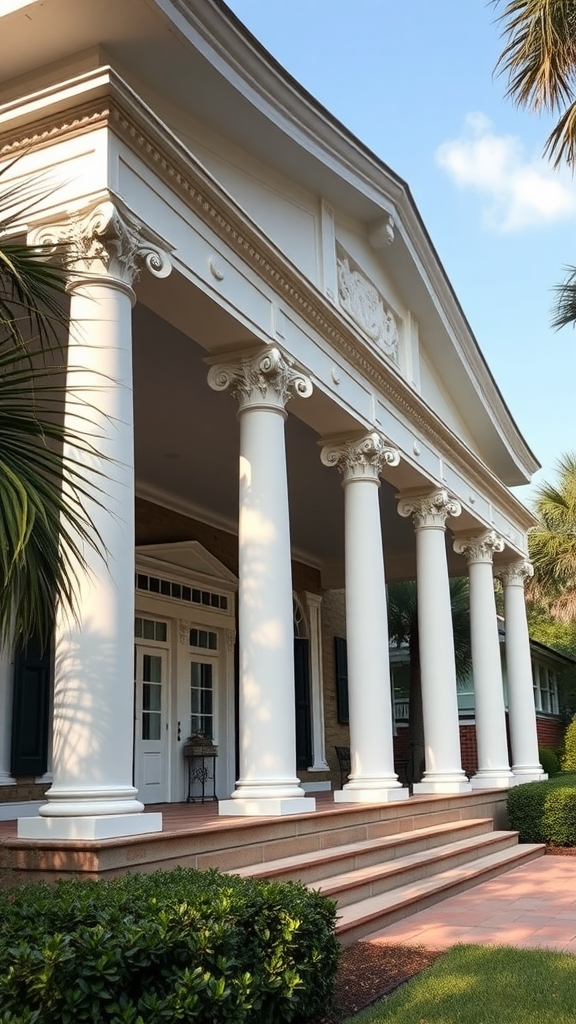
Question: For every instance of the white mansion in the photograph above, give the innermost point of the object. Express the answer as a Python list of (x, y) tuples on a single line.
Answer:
[(292, 406)]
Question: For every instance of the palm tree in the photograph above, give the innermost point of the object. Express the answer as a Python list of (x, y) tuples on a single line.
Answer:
[(553, 543), (403, 629), (43, 521), (539, 58)]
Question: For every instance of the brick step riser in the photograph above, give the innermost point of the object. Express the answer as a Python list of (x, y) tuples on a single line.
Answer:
[(330, 862), (355, 893), (277, 848), (361, 928)]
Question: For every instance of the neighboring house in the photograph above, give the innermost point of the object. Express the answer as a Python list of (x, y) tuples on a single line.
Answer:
[(260, 317), (554, 684)]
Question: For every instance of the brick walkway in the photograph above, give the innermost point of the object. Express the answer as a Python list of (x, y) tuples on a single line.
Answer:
[(532, 906)]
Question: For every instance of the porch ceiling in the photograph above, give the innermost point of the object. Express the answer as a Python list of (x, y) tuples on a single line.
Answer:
[(186, 441)]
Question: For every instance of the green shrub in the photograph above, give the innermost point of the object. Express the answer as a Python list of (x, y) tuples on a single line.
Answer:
[(171, 946), (568, 763), (545, 812), (549, 761)]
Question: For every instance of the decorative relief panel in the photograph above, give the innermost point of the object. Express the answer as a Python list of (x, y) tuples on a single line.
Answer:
[(360, 298)]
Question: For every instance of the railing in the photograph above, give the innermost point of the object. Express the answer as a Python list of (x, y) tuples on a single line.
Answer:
[(401, 710)]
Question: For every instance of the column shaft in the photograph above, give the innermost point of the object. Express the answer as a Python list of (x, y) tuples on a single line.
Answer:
[(521, 709), (372, 778), (92, 796), (438, 672), (493, 767), (263, 382)]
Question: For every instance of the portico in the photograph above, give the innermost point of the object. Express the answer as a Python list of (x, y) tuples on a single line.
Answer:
[(203, 267)]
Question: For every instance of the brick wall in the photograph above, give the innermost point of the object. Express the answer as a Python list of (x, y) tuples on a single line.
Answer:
[(468, 748), (550, 732)]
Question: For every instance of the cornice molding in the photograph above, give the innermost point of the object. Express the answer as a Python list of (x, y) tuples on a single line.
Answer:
[(125, 114)]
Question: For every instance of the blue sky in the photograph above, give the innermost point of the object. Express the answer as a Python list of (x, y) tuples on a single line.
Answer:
[(413, 79)]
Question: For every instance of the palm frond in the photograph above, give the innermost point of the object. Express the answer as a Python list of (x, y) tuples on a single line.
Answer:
[(46, 487), (552, 543), (564, 309), (539, 58)]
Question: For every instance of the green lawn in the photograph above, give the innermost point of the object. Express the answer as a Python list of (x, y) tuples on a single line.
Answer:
[(485, 985)]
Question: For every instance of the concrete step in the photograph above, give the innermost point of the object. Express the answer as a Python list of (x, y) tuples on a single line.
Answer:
[(324, 863), (367, 881), (358, 919)]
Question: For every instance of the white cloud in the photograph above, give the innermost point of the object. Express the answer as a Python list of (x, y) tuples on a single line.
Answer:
[(521, 192)]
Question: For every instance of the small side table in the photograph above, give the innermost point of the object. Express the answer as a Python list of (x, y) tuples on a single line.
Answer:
[(201, 760)]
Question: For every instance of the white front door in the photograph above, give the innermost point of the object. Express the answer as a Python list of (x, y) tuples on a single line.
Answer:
[(150, 755)]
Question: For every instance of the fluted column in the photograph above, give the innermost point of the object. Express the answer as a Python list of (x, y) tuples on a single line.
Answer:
[(437, 665), (490, 714), (263, 382), (92, 796), (521, 709), (372, 778)]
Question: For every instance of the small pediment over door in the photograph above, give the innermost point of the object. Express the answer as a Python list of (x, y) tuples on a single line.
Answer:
[(188, 556)]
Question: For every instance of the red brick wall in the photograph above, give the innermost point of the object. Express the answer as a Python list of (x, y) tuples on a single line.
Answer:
[(468, 748), (550, 732)]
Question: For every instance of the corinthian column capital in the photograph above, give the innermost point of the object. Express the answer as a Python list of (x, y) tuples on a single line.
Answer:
[(360, 457), (480, 548), (266, 377), (106, 241), (429, 510), (515, 574)]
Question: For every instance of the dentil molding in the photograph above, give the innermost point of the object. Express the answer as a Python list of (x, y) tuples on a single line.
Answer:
[(129, 119)]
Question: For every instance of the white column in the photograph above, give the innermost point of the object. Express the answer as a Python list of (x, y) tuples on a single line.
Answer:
[(6, 692), (319, 762), (521, 710), (437, 665), (92, 796), (263, 382), (490, 713), (372, 777)]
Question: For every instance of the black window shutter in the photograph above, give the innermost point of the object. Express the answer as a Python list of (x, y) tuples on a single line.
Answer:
[(340, 650), (32, 679)]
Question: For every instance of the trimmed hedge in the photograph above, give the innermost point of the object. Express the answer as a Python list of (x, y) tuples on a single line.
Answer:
[(172, 946), (549, 761), (545, 812), (568, 763)]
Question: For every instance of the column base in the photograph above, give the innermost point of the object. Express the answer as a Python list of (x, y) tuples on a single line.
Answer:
[(493, 780), (106, 826), (533, 775), (431, 786), (266, 807), (370, 796)]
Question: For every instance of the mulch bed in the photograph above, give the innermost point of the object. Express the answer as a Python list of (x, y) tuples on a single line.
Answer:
[(561, 851), (370, 970)]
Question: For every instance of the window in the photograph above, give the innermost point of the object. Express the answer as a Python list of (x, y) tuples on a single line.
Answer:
[(204, 638), (201, 702), (545, 681), (155, 585), (151, 697), (149, 629)]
